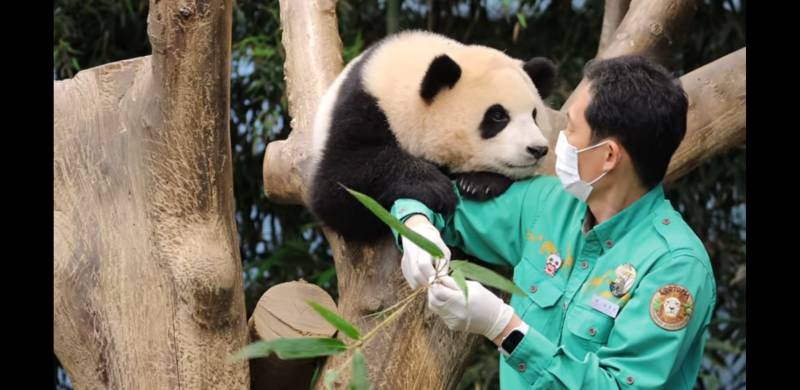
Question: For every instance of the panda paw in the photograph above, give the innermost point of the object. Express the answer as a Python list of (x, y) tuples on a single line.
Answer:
[(482, 186)]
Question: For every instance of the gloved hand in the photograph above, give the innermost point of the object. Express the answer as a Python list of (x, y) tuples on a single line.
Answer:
[(484, 313), (418, 265)]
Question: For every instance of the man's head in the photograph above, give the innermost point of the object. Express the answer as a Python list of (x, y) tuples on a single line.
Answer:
[(638, 109)]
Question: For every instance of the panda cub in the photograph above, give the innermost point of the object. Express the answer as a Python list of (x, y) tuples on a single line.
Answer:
[(416, 110)]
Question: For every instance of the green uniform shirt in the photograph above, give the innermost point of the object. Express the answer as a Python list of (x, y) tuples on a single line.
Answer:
[(648, 334)]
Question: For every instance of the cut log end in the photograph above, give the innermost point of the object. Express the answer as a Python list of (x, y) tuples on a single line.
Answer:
[(283, 312)]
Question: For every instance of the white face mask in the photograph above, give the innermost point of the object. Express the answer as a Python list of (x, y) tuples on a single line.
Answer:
[(567, 168)]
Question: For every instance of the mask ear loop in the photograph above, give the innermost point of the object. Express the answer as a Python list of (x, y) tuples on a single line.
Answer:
[(601, 143), (598, 178), (590, 148)]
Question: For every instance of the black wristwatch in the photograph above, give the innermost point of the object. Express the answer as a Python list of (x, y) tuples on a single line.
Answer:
[(513, 339)]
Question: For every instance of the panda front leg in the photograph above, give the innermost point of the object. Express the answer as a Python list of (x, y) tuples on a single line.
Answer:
[(415, 178), (335, 207), (385, 174)]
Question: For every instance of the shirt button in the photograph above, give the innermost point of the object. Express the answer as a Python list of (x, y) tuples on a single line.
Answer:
[(565, 305), (521, 367), (665, 221), (629, 380), (584, 264), (534, 289), (592, 332), (609, 244)]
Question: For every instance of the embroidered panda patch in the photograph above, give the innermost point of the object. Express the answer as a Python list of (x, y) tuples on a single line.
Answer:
[(671, 307)]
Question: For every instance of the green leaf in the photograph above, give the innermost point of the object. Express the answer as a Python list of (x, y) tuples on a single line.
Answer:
[(340, 323), (296, 348), (395, 223), (263, 52), (352, 51), (458, 276), (521, 19), (316, 374), (330, 376), (359, 379), (485, 276)]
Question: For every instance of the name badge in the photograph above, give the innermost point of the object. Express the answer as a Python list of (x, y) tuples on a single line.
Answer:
[(605, 306)]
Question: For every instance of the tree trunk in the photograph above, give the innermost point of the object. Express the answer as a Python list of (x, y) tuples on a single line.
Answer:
[(148, 284), (418, 351)]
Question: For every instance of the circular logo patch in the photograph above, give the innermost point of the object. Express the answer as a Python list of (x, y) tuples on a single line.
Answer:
[(671, 307), (626, 275)]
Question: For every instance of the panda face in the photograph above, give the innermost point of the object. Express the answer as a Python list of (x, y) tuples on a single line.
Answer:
[(507, 135), (476, 110), (516, 141), (491, 119), (554, 261)]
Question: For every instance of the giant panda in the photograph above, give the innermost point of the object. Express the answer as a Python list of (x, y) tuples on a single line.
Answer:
[(416, 110)]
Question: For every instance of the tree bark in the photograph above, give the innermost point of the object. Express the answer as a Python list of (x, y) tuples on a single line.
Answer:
[(148, 284), (313, 59), (650, 28), (613, 14), (717, 112)]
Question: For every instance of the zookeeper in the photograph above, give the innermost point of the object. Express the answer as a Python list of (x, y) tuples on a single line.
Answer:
[(620, 290)]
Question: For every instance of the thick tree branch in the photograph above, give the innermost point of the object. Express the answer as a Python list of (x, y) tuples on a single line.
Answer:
[(613, 14), (313, 60), (651, 28), (717, 112)]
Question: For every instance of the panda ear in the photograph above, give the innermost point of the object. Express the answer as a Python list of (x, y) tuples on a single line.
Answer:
[(443, 72), (542, 72)]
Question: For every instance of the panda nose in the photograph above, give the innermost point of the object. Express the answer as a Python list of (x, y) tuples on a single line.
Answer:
[(537, 151)]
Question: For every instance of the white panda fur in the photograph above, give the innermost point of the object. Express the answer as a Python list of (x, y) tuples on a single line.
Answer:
[(400, 117)]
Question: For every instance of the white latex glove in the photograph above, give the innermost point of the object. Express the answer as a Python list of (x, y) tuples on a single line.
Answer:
[(418, 265), (484, 313)]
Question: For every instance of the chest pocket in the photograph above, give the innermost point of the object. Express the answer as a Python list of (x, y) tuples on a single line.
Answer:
[(545, 293), (588, 329), (541, 289)]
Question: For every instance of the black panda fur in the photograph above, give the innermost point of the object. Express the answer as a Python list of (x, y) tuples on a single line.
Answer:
[(363, 154)]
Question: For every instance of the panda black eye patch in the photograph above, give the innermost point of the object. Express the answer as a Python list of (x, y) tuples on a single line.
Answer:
[(495, 119)]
